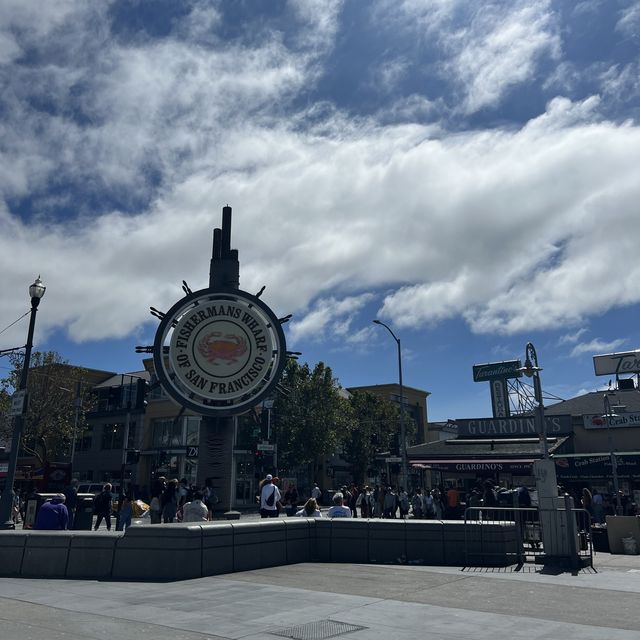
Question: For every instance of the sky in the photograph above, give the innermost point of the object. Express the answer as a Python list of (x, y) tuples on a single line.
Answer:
[(466, 172)]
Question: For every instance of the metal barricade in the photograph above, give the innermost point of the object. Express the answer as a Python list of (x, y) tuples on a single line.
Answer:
[(479, 540)]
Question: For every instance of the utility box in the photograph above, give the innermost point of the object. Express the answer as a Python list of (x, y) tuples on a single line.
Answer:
[(83, 519), (31, 507)]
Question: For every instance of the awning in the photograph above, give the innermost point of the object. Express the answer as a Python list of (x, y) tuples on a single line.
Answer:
[(467, 464)]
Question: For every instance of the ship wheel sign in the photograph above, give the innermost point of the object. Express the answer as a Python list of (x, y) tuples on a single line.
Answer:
[(219, 352)]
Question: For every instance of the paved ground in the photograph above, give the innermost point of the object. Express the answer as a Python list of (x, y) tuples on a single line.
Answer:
[(370, 601)]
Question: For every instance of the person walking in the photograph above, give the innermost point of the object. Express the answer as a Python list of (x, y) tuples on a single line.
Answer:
[(416, 504), (103, 506), (403, 503), (169, 501), (316, 493), (390, 504), (71, 500), (125, 514), (269, 498)]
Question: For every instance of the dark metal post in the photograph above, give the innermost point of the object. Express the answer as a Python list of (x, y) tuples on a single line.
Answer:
[(6, 500), (403, 435)]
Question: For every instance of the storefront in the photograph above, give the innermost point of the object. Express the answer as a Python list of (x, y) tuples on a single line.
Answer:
[(594, 471)]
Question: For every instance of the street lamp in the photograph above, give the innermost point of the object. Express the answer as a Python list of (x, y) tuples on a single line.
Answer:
[(36, 291), (532, 370), (608, 415), (403, 436)]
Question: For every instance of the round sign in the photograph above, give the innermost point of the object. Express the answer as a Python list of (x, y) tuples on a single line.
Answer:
[(219, 353)]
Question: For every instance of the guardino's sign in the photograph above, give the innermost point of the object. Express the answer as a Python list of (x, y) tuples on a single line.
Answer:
[(513, 426)]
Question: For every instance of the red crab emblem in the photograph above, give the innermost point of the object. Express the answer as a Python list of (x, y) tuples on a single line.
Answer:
[(214, 346)]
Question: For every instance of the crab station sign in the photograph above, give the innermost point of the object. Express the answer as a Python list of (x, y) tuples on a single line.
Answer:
[(219, 353)]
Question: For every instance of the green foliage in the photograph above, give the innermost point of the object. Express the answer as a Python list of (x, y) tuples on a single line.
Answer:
[(376, 422), (313, 419), (50, 418)]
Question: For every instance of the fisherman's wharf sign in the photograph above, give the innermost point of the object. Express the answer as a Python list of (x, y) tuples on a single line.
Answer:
[(219, 352)]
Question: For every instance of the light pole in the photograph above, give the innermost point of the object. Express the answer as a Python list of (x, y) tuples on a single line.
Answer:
[(608, 415), (532, 370), (36, 291), (403, 436)]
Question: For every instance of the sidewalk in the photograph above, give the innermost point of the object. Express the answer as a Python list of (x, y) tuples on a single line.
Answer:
[(313, 600)]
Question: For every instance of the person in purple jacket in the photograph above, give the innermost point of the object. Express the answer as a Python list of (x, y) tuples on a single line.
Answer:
[(53, 514)]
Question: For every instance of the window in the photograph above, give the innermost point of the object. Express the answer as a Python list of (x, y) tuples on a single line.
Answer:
[(166, 433), (112, 435), (84, 439), (193, 430)]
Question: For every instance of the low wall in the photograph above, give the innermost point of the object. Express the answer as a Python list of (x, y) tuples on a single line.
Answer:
[(182, 551), (619, 527)]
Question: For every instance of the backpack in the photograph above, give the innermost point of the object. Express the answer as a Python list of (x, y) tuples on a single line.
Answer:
[(271, 499)]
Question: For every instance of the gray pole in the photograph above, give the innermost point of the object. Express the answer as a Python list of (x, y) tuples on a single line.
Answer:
[(531, 368), (6, 500), (612, 455), (403, 435)]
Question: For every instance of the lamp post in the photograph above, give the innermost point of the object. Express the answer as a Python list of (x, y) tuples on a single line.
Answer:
[(608, 415), (36, 291), (532, 370), (403, 436)]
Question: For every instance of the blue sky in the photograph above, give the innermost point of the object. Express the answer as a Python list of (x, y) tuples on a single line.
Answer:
[(465, 171)]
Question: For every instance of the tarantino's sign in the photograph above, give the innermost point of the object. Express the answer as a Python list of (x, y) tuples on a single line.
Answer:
[(627, 362), (493, 370), (514, 426), (224, 351)]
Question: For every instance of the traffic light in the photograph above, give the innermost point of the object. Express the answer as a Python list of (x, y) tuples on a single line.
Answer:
[(142, 389)]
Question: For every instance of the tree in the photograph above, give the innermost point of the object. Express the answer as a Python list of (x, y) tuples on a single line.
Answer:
[(50, 419), (376, 423), (312, 419)]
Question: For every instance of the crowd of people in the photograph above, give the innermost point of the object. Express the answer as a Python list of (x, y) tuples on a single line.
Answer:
[(365, 501)]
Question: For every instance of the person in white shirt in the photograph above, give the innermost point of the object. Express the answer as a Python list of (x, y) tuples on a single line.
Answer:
[(316, 492), (196, 510), (269, 498), (338, 510)]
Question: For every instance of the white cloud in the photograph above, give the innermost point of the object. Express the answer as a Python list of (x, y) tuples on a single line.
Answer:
[(512, 230), (596, 346), (498, 52), (330, 317), (629, 22), (571, 338)]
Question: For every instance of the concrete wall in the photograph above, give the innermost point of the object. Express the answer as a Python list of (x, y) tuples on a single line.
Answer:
[(183, 551)]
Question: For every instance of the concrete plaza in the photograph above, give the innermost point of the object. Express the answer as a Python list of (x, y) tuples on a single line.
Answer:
[(313, 600)]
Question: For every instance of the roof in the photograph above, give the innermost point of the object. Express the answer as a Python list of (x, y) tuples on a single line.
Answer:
[(388, 385), (487, 448), (593, 403), (120, 379)]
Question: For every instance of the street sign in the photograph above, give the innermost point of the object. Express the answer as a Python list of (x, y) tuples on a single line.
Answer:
[(393, 459), (192, 452), (266, 447), (17, 403)]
